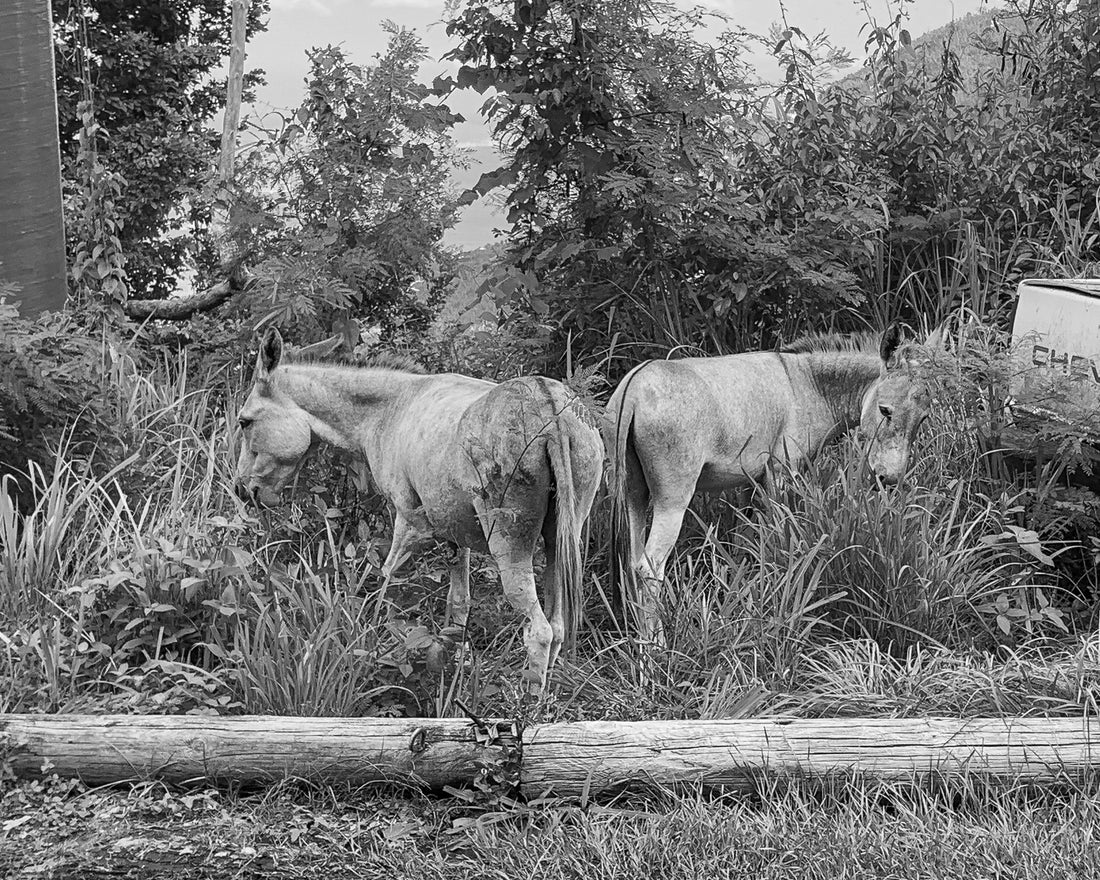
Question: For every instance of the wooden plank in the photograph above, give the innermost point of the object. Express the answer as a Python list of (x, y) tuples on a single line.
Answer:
[(604, 756), (257, 748)]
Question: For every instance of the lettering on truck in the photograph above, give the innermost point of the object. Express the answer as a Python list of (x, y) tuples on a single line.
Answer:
[(1076, 366)]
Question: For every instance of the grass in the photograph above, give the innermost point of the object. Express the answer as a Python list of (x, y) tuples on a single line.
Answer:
[(306, 648), (72, 509), (846, 828), (153, 576), (150, 589)]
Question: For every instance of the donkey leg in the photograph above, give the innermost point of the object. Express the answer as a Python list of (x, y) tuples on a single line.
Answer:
[(458, 597), (405, 540), (552, 587), (517, 574), (514, 556), (636, 503), (668, 517)]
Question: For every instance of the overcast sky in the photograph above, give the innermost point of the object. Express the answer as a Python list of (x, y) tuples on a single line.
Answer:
[(297, 25)]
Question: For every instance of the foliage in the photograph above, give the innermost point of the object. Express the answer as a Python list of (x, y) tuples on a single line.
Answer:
[(616, 120), (346, 202), (55, 382), (979, 180), (495, 322), (94, 227), (739, 221), (624, 162), (136, 88)]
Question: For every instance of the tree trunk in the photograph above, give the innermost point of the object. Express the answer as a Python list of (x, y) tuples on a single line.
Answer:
[(182, 308), (234, 91), (32, 233), (568, 759), (223, 203)]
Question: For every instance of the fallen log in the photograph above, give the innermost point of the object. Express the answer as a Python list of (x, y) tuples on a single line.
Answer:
[(564, 759), (101, 749), (607, 756)]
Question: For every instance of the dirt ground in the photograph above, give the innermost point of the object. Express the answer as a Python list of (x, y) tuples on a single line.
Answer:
[(57, 829)]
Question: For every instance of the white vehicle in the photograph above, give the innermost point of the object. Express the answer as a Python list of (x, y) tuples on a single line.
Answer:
[(1056, 334)]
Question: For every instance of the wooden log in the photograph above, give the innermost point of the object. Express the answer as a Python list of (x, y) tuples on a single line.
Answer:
[(605, 756), (182, 308), (179, 308), (257, 748), (565, 759)]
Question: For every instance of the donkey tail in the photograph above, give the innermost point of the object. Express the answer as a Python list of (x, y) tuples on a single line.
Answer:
[(569, 524), (619, 429)]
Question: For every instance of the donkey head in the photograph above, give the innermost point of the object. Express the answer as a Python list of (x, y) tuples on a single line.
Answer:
[(897, 403), (277, 433)]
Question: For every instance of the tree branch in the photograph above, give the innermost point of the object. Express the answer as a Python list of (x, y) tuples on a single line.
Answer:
[(180, 309)]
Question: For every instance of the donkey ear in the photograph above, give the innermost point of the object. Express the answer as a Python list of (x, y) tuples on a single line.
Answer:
[(271, 352), (891, 339)]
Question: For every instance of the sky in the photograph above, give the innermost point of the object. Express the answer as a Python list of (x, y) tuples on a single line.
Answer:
[(295, 26)]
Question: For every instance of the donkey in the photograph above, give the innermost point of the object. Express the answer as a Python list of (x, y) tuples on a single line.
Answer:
[(676, 427), (467, 462)]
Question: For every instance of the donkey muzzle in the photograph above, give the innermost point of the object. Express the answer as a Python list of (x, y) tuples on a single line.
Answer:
[(246, 494)]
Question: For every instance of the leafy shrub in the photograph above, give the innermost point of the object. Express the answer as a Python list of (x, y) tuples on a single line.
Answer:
[(666, 204), (55, 381), (345, 203)]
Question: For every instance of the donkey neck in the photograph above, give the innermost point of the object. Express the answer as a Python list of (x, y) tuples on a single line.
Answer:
[(347, 405), (841, 381)]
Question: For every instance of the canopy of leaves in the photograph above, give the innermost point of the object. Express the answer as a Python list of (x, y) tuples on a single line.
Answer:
[(658, 194), (346, 202), (616, 122), (147, 68)]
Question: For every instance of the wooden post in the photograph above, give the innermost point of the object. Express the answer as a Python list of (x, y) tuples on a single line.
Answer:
[(566, 759), (32, 233)]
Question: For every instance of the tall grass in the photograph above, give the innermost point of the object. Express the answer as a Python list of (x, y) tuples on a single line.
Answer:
[(156, 570), (70, 531), (107, 569), (906, 563), (847, 828), (304, 647), (829, 554)]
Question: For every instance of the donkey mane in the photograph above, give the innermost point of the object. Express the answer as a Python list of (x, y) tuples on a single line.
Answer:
[(865, 342), (840, 378), (395, 361)]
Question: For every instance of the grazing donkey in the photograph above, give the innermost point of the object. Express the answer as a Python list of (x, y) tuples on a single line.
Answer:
[(677, 427), (475, 464)]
